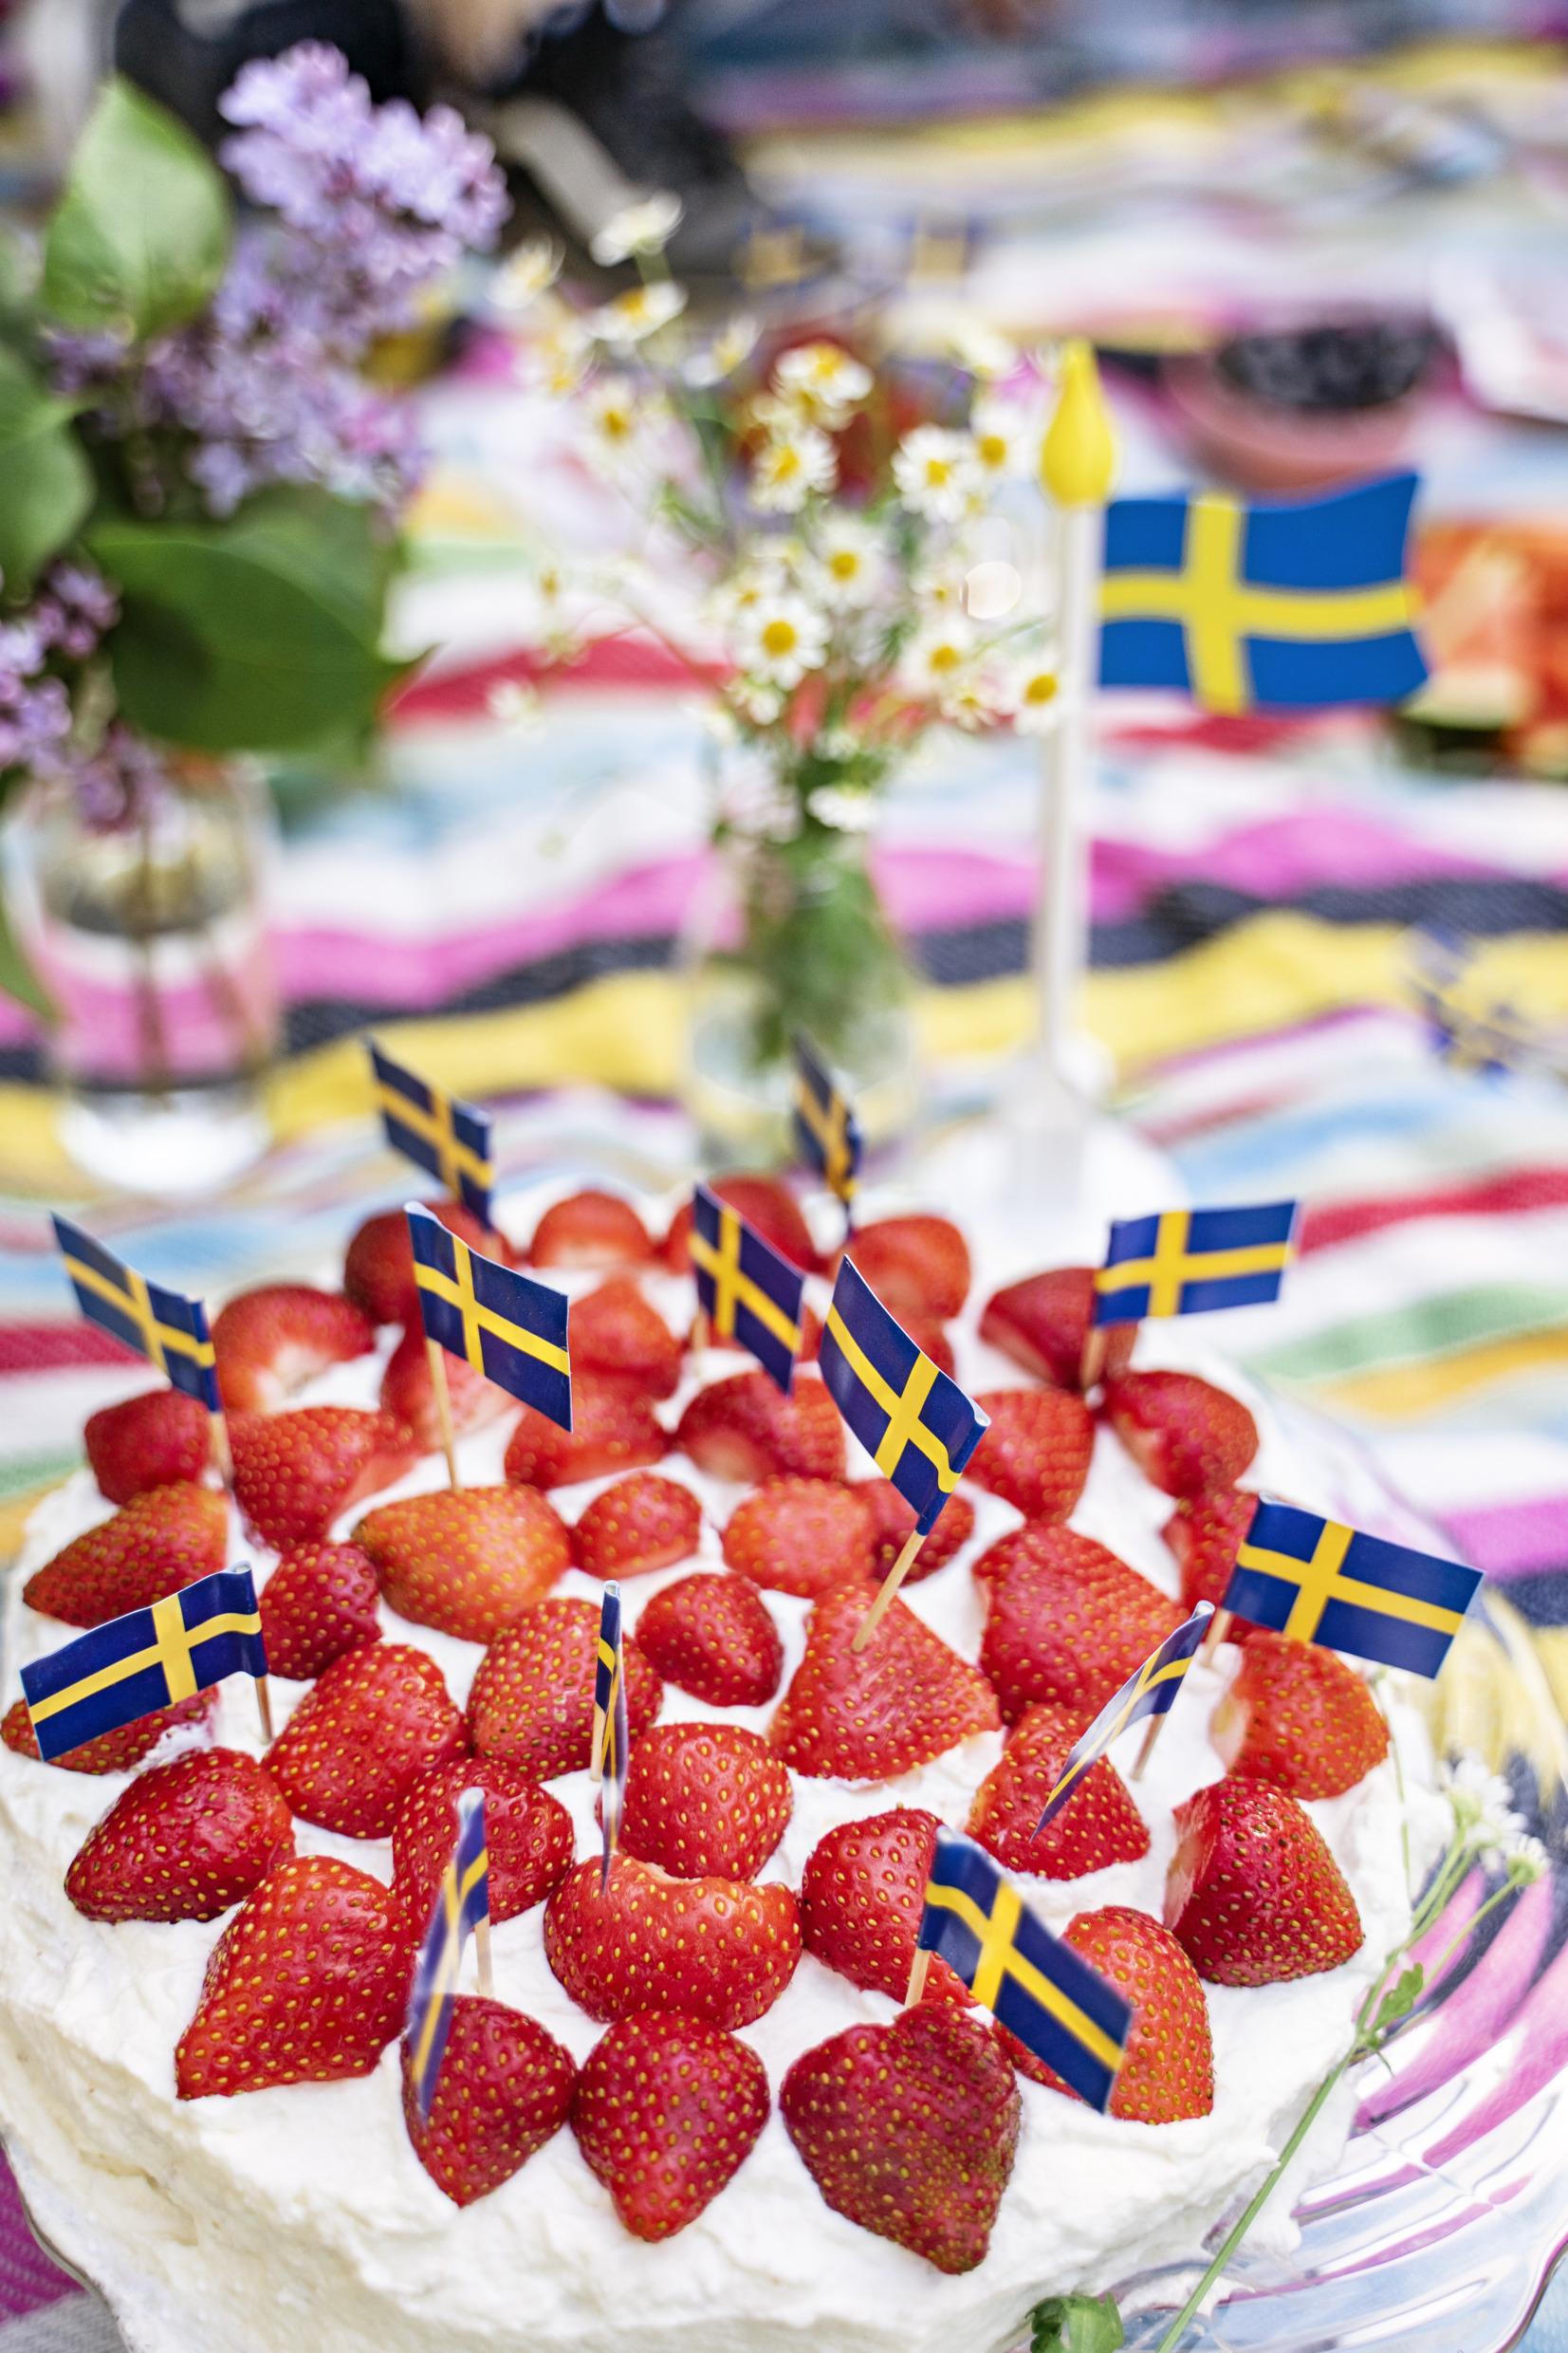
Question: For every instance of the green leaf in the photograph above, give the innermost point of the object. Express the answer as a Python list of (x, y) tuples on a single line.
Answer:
[(1076, 2324), (46, 482), (260, 634), (17, 977), (141, 237), (1400, 1999)]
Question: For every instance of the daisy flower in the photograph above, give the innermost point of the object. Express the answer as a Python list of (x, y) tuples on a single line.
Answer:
[(781, 638), (845, 808), (755, 701), (517, 706), (558, 361), (1032, 698), (525, 275), (713, 361), (789, 467), (934, 662), (970, 703), (645, 227), (1003, 440), (1525, 1857), (941, 587), (633, 317), (937, 473), (617, 408), (851, 563), (822, 381)]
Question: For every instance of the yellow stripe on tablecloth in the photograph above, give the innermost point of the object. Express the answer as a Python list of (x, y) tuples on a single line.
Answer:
[(1407, 1392)]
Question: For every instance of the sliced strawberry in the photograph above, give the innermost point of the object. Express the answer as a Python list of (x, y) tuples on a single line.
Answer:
[(296, 1472), (1036, 1453), (802, 1536), (619, 1335), (465, 1560), (529, 1838), (742, 1428), (111, 1752), (719, 1949), (639, 1523), (1204, 1534), (862, 1894), (505, 2090), (1043, 1322), (590, 1229), (901, 1702), (318, 1604), (909, 2130), (1185, 1435), (1253, 1894), (532, 1701), (666, 2111), (308, 1983), (184, 1842), (770, 1209), (155, 1440), (931, 1339), (1296, 1715), (157, 1543), (270, 1342), (713, 1636), (916, 1266), (371, 1727), (1098, 1825), (706, 1801), (1066, 1621), (378, 1269), (1168, 2071), (893, 1525), (408, 1393), (613, 1429)]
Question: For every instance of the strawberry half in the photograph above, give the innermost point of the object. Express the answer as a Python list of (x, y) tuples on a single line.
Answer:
[(802, 1536), (359, 1739), (318, 1604), (1066, 1621), (903, 1701), (155, 1544), (892, 1524), (862, 1894), (532, 1701), (742, 1428), (770, 1209), (1036, 1453), (642, 1523), (666, 2111), (308, 1983), (184, 1842), (156, 1440), (296, 1472), (408, 1393), (270, 1342), (505, 2090), (111, 1752), (613, 1429), (1296, 1715), (466, 1560), (1186, 1435), (1168, 2070), (378, 1269), (718, 1949), (590, 1229), (619, 1335), (916, 1266), (909, 2130), (1205, 1535), (528, 1837), (711, 1636), (705, 1801), (1253, 1894), (1043, 1322), (1098, 1825)]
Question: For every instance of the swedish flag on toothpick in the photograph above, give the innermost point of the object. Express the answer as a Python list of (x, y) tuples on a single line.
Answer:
[(827, 1133), (164, 1326), (439, 1132), (1150, 1694), (744, 1287), (1320, 1581), (611, 1736), (149, 1658), (507, 1326), (1186, 1262), (462, 1909)]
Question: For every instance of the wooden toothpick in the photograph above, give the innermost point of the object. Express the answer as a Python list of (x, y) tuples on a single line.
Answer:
[(883, 1602), (1219, 1632), (702, 1331), (1152, 1734), (264, 1705), (223, 1453), (1091, 1365), (443, 1407), (482, 1948), (917, 1977)]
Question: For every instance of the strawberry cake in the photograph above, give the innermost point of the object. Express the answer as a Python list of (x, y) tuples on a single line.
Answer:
[(695, 2113)]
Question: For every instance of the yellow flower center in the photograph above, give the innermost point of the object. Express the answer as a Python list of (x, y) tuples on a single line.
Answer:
[(938, 472), (945, 659), (786, 463), (779, 637), (1040, 689), (844, 564), (993, 451)]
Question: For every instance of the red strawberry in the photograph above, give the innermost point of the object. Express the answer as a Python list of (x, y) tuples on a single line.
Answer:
[(296, 1472), (666, 2110), (713, 1636), (617, 1334), (528, 1837), (718, 1949), (930, 1337), (1066, 1621), (505, 2090), (1185, 1435), (155, 1440), (905, 1699), (590, 1229), (863, 1893), (1252, 1893), (909, 2130), (318, 1604), (467, 1560), (363, 1736), (111, 1752), (1043, 1322), (613, 1429), (270, 1342), (1297, 1717), (1168, 2071), (916, 1266), (378, 1269), (800, 1536), (893, 1522), (742, 1428), (1036, 1453), (1204, 1534), (639, 1523), (706, 1801), (184, 1842), (1098, 1825), (157, 1543), (408, 1393), (308, 1983), (770, 1209), (532, 1701)]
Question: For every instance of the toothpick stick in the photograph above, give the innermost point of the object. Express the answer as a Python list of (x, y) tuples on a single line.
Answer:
[(443, 1407), (1219, 1632), (917, 1977), (264, 1704), (482, 1948), (891, 1583), (1091, 1363), (1155, 1725), (702, 1331), (223, 1453)]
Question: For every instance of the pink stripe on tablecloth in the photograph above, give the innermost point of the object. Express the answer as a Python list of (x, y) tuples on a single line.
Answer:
[(1514, 1539), (29, 2280)]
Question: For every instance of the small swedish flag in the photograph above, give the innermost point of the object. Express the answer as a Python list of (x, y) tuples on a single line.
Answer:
[(827, 1133), (1187, 1261), (1151, 1692), (1320, 1581), (911, 1419), (164, 1326), (437, 1132), (746, 1288), (462, 1906), (146, 1660), (507, 1326), (611, 1736)]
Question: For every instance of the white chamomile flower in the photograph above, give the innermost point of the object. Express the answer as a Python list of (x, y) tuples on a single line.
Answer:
[(822, 381), (782, 638), (933, 663), (938, 474), (969, 704), (645, 227), (843, 807), (1004, 437), (980, 349), (715, 361), (1525, 1857), (851, 563), (756, 701), (838, 742), (633, 317), (517, 706), (558, 361), (1032, 697), (525, 274), (790, 467), (1482, 1802), (941, 587), (614, 409)]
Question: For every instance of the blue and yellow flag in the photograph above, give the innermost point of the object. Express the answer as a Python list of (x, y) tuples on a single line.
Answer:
[(439, 1132), (164, 1326), (1151, 1692), (915, 1421), (507, 1326), (462, 1904), (1266, 607), (1320, 1582), (1039, 1987), (1187, 1261), (611, 1736), (747, 1291), (827, 1133), (146, 1660)]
